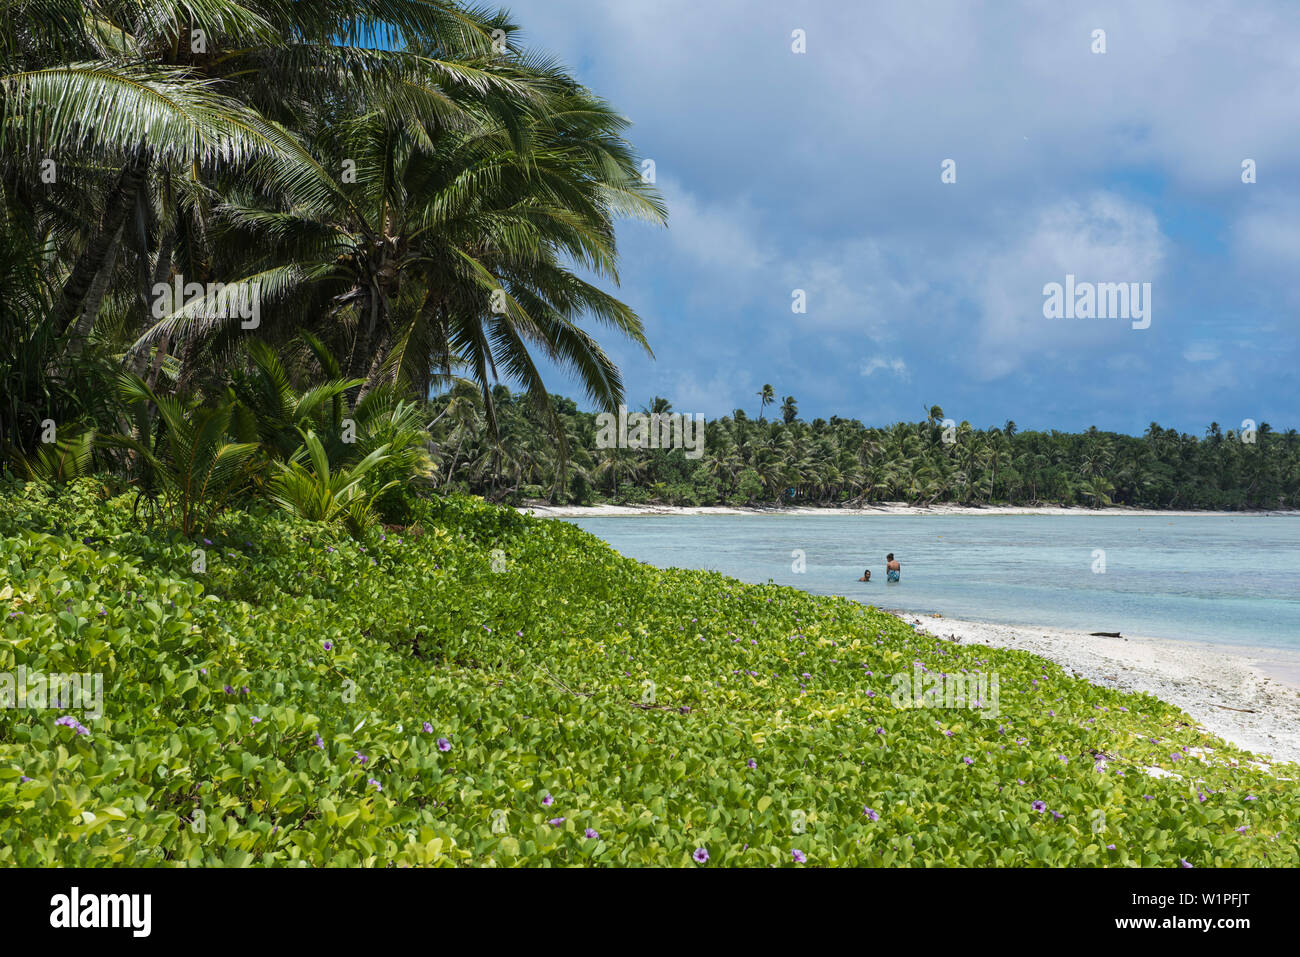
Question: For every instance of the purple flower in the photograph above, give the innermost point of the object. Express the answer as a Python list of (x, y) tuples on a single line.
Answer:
[(329, 645), (255, 719), (1251, 797), (548, 800), (361, 757), (555, 821), (798, 856), (590, 834), (377, 785), (444, 744), (870, 814), (751, 763), (700, 855), (1183, 863), (1039, 806), (70, 722), (23, 779), (229, 690), (969, 760), (320, 742), (428, 728)]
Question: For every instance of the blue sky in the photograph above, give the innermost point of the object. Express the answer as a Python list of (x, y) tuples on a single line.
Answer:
[(821, 171)]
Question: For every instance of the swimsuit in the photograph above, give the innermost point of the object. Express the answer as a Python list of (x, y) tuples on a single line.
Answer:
[(892, 575)]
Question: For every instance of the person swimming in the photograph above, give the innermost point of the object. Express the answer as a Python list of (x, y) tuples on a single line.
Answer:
[(866, 576), (892, 568)]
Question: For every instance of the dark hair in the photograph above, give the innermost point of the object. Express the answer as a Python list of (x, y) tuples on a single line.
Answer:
[(889, 557)]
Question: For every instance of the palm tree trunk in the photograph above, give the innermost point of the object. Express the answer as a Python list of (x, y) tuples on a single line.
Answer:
[(102, 243), (94, 298), (158, 358), (381, 348), (189, 356), (162, 269), (451, 469), (361, 347)]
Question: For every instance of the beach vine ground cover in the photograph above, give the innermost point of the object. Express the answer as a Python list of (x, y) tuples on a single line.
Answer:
[(485, 688)]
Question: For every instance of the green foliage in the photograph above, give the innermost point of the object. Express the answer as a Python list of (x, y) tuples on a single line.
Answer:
[(319, 495), (192, 460), (59, 462), (401, 186), (285, 707), (274, 412)]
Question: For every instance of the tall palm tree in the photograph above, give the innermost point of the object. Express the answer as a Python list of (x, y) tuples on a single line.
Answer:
[(452, 244)]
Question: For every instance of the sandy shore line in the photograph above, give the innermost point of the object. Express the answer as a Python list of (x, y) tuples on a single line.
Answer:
[(1250, 697), (882, 508)]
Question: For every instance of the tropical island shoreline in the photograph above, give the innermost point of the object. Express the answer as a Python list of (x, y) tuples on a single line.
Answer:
[(1248, 696), (546, 510)]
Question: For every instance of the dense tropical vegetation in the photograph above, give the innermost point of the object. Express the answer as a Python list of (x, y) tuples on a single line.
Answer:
[(228, 226), (753, 461), (439, 696)]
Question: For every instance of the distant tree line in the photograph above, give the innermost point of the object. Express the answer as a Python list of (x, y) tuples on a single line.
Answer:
[(551, 453)]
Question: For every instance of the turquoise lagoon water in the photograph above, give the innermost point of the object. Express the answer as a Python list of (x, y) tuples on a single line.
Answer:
[(1232, 580)]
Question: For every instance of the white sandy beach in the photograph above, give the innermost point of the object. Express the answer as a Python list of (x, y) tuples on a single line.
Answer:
[(881, 508), (1249, 697)]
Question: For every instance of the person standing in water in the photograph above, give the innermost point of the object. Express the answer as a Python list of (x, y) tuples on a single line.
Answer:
[(892, 569), (866, 576)]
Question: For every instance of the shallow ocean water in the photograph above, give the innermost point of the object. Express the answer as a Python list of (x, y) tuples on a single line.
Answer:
[(1223, 579)]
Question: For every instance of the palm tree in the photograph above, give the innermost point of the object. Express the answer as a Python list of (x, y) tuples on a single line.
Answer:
[(112, 82), (789, 409), (766, 395), (451, 245)]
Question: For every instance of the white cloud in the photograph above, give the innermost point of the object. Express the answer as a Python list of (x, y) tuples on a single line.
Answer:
[(714, 234), (1103, 238), (897, 366)]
